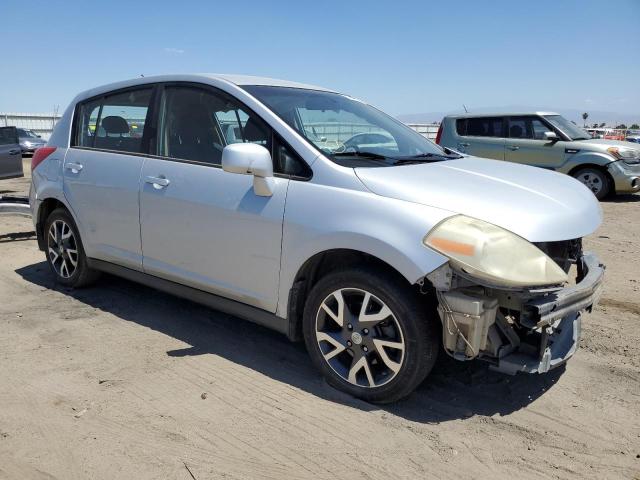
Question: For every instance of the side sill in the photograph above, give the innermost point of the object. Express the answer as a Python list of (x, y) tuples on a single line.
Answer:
[(232, 307)]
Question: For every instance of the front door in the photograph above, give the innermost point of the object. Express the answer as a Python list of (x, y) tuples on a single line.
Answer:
[(201, 226), (102, 175), (10, 156), (526, 143)]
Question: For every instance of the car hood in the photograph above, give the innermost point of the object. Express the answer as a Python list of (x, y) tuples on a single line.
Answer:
[(36, 141), (539, 205), (600, 144)]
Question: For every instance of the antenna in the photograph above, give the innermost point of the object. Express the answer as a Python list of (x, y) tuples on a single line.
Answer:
[(465, 108), (142, 75)]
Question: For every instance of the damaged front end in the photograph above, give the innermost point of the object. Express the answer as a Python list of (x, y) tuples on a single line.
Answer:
[(528, 329)]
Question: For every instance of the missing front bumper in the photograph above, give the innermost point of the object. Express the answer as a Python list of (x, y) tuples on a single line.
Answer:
[(543, 334)]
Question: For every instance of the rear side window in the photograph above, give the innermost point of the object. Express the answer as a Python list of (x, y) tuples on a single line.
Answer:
[(8, 136), (479, 127), (114, 122)]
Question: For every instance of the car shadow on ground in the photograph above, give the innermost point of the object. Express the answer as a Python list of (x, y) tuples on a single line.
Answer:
[(454, 390), (623, 198)]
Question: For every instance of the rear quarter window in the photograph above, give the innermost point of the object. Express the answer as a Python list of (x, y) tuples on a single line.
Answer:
[(479, 127)]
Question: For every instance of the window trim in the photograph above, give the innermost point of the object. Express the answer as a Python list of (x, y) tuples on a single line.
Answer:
[(149, 147), (73, 141)]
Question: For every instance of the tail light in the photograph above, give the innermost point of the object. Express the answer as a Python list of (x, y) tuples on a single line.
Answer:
[(39, 155), (439, 134)]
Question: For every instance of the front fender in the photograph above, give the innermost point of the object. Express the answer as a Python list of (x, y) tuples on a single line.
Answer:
[(583, 158), (319, 218)]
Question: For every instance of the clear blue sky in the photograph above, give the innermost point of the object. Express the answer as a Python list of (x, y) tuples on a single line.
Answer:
[(405, 57)]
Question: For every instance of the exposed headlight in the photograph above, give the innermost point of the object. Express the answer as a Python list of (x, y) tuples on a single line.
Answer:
[(628, 155), (488, 252)]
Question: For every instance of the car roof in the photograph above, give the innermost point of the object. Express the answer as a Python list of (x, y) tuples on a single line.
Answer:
[(499, 114), (239, 80)]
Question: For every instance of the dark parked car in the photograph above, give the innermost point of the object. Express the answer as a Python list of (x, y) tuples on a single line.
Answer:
[(10, 158), (29, 140)]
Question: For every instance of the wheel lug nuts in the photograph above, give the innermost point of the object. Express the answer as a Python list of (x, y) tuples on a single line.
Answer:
[(349, 343), (350, 327), (365, 348), (365, 331)]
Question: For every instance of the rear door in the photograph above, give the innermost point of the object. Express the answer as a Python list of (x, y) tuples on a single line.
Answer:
[(102, 174), (10, 156), (526, 143), (481, 137)]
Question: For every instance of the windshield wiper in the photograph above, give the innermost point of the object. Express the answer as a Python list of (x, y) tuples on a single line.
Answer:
[(425, 157), (377, 156)]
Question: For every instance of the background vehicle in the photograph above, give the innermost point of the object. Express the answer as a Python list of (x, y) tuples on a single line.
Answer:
[(546, 140), (376, 259), (29, 141), (10, 157), (633, 138)]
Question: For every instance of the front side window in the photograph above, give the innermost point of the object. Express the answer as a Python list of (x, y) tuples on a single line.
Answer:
[(346, 130), (532, 128), (114, 122), (196, 124), (23, 132)]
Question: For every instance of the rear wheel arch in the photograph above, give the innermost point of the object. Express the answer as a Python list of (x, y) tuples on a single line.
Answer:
[(47, 206)]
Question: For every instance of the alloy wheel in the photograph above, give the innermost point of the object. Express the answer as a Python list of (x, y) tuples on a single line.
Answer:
[(592, 181), (62, 248), (359, 337)]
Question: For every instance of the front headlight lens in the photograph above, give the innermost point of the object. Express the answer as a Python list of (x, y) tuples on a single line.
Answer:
[(628, 155), (488, 252)]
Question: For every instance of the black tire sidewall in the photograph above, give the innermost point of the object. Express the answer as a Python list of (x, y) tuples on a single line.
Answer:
[(82, 267), (414, 317)]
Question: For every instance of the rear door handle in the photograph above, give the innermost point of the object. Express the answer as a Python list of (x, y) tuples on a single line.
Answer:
[(74, 167), (14, 152), (157, 182), (464, 144), (513, 147)]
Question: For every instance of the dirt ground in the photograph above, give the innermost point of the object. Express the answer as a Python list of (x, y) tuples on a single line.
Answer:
[(122, 382)]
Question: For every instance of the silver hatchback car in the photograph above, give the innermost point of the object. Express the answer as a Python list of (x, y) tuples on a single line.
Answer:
[(257, 197)]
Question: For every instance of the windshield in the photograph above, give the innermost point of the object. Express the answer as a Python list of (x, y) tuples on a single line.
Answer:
[(22, 132), (348, 131), (570, 129)]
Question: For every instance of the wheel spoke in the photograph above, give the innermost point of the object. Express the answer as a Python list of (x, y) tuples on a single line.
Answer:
[(371, 319), (358, 365), (66, 231), (73, 256), (339, 317), (338, 346), (384, 356), (53, 255)]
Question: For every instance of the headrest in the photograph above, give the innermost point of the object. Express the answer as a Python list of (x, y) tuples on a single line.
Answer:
[(114, 124), (252, 131), (515, 131)]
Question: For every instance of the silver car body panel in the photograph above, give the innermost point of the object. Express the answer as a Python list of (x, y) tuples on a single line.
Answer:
[(384, 212)]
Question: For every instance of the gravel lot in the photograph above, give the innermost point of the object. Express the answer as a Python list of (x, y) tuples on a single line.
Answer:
[(119, 381)]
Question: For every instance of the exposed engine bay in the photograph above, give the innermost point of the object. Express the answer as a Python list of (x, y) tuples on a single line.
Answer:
[(518, 329)]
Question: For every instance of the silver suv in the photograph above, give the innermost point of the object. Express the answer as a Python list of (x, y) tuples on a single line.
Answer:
[(258, 197), (547, 140)]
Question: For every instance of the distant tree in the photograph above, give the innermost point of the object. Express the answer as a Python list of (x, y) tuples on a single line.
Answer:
[(635, 126), (585, 115), (595, 125), (622, 126), (602, 124)]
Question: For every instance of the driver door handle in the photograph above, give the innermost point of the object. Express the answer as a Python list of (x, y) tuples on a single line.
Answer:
[(513, 147), (464, 144), (157, 182), (14, 152)]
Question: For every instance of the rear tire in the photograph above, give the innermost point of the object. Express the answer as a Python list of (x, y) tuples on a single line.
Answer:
[(64, 251), (595, 180), (379, 353)]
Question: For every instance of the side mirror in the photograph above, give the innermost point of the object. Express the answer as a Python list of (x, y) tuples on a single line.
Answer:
[(251, 159), (550, 136)]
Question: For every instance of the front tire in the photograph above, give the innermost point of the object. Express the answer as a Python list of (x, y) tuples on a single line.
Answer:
[(370, 334), (595, 180), (64, 250)]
